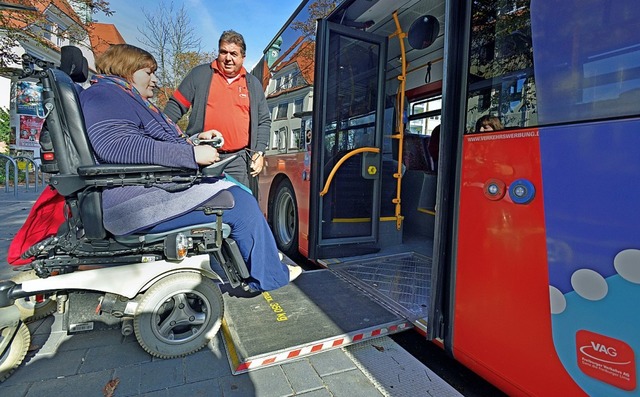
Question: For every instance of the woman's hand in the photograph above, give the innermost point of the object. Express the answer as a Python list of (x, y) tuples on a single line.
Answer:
[(205, 154)]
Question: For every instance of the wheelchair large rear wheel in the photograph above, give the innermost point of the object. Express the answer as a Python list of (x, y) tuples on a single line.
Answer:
[(15, 353), (178, 315)]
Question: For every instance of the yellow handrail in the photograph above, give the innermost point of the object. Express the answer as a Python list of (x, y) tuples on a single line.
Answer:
[(400, 118), (341, 161)]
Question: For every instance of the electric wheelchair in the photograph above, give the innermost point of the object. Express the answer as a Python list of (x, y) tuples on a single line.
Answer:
[(159, 286)]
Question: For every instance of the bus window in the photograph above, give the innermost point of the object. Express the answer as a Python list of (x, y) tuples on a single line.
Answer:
[(588, 73), (424, 115), (501, 80)]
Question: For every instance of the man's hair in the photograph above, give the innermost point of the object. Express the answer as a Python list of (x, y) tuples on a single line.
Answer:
[(124, 60), (233, 37)]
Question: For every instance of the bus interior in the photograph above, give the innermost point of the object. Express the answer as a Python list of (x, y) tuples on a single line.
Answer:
[(368, 219)]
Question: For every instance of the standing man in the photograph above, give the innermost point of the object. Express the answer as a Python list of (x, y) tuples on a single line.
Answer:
[(224, 97)]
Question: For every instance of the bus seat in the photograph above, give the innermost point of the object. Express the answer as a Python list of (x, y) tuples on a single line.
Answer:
[(414, 153)]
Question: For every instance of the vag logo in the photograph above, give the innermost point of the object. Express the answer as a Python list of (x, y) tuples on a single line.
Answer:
[(602, 353), (610, 351)]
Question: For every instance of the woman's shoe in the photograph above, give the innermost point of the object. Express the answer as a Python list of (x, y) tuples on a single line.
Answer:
[(294, 272)]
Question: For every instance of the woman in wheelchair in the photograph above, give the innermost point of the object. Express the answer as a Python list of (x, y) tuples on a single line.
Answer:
[(125, 128)]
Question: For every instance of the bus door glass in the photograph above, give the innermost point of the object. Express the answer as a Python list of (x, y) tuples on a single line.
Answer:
[(346, 177)]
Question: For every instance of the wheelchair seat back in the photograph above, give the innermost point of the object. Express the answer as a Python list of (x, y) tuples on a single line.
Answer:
[(66, 147)]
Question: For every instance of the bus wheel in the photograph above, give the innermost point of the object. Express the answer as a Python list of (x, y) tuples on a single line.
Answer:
[(284, 220)]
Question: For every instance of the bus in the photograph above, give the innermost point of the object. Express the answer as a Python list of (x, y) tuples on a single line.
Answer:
[(518, 247)]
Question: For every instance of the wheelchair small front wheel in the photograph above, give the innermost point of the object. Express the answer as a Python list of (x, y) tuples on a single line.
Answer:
[(178, 315), (15, 352), (33, 307)]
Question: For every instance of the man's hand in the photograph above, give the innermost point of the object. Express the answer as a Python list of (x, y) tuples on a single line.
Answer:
[(257, 163), (209, 134)]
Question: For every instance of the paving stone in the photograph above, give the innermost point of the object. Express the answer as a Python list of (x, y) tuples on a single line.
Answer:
[(159, 393), (237, 386), (48, 366), (84, 385), (350, 384), (93, 339), (266, 382), (207, 388), (271, 382), (151, 376), (14, 391), (45, 344), (117, 356), (316, 393), (331, 362), (209, 363), (302, 376)]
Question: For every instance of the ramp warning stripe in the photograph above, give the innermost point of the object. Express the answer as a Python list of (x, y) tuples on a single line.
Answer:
[(239, 365)]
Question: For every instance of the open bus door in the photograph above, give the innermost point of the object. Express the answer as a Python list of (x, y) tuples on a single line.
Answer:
[(347, 164)]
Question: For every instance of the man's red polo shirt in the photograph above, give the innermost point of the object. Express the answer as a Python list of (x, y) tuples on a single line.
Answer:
[(228, 109)]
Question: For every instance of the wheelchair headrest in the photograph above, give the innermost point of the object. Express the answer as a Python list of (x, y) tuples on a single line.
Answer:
[(73, 63)]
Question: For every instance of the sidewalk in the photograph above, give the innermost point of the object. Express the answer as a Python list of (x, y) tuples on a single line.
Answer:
[(105, 363)]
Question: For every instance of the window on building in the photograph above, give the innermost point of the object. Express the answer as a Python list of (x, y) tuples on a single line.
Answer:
[(282, 111), (297, 106)]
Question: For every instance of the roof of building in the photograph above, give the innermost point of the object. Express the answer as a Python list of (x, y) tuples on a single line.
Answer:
[(22, 19), (103, 35)]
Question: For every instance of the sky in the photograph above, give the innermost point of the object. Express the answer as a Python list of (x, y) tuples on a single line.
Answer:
[(257, 20)]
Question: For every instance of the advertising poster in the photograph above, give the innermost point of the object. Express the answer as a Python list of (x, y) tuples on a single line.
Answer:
[(29, 132), (28, 98)]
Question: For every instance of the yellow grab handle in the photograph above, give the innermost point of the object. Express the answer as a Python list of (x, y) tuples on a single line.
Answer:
[(342, 160)]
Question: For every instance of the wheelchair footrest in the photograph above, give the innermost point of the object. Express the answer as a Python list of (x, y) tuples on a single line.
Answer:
[(232, 263), (232, 252)]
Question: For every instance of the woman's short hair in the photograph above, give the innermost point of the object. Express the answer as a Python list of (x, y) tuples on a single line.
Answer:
[(233, 37), (124, 60), (489, 121)]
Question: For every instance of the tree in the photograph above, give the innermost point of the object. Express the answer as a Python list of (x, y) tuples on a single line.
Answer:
[(4, 125), (5, 129), (20, 19), (317, 10), (170, 37)]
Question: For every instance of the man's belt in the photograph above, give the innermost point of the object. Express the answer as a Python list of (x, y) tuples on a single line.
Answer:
[(230, 151)]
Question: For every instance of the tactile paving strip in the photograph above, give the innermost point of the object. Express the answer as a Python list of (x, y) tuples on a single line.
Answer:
[(395, 372)]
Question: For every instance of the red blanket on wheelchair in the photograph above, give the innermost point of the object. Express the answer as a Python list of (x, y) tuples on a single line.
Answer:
[(46, 216)]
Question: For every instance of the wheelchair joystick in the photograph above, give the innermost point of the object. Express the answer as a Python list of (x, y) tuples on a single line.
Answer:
[(216, 141)]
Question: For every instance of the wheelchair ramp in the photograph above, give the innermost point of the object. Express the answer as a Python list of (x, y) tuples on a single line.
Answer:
[(401, 281), (317, 312)]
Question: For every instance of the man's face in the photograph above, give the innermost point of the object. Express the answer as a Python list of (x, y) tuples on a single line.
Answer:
[(230, 59)]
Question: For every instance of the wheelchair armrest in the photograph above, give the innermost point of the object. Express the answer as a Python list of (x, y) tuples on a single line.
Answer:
[(216, 169), (221, 201), (118, 169), (109, 175)]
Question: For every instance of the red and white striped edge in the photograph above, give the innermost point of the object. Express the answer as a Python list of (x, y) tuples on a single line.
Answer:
[(240, 365)]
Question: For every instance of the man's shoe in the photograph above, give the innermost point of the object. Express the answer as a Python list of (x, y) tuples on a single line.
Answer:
[(294, 272)]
